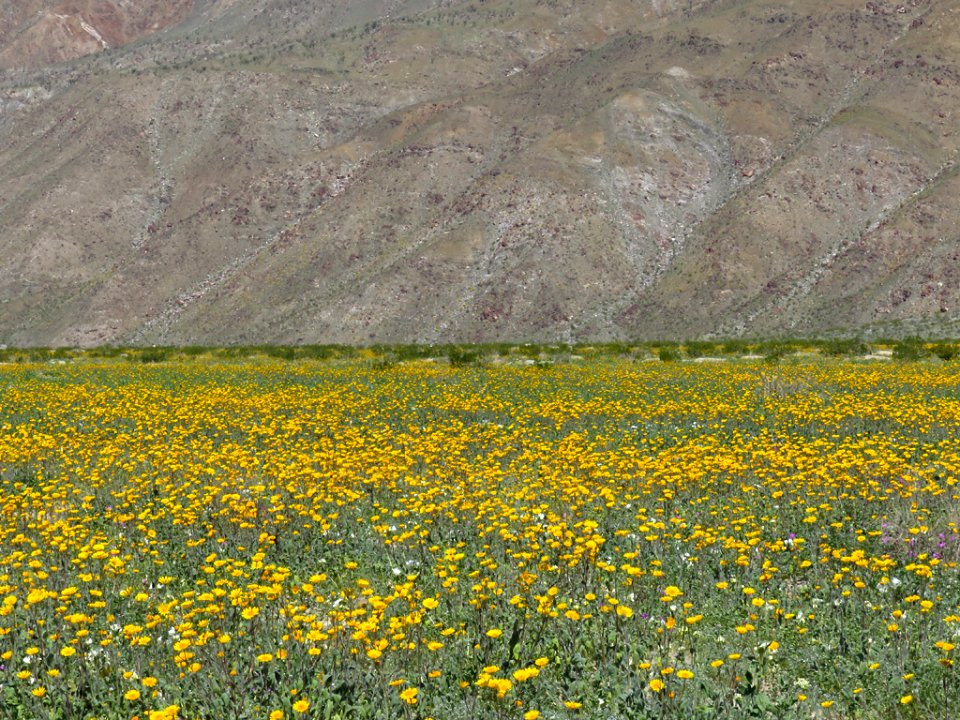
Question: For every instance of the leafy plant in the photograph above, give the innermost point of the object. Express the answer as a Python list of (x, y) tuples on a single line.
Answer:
[(153, 355), (699, 348), (462, 356), (910, 349), (845, 347), (945, 351)]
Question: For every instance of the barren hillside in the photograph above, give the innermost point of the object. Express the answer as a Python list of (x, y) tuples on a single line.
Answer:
[(35, 33), (432, 170)]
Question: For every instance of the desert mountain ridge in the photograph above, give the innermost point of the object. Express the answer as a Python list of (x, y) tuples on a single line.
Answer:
[(355, 171)]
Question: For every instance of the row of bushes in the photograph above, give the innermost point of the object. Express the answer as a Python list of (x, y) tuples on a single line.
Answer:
[(909, 349)]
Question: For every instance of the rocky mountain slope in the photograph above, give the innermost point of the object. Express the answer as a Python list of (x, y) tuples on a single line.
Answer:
[(436, 170), (35, 33)]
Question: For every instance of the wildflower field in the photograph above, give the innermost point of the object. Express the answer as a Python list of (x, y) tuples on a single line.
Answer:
[(201, 538)]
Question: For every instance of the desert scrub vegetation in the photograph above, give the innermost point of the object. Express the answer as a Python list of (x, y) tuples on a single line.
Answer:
[(668, 354), (842, 347), (214, 537), (700, 348), (909, 349)]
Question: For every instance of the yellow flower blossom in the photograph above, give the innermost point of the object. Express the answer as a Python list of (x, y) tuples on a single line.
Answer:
[(301, 706)]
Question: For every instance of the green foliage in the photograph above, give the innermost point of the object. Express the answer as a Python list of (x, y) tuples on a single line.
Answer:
[(945, 351), (404, 353), (461, 356), (617, 349), (845, 347), (386, 361), (283, 352), (910, 350), (153, 355), (735, 347), (232, 352), (668, 354), (699, 348), (775, 350)]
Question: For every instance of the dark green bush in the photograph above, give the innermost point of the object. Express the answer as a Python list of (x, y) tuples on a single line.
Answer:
[(282, 352), (461, 356), (233, 352), (735, 347), (844, 347), (910, 349), (153, 355), (945, 351), (774, 351), (414, 352), (699, 348)]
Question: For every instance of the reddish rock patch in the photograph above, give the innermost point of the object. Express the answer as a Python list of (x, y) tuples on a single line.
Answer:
[(42, 33)]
